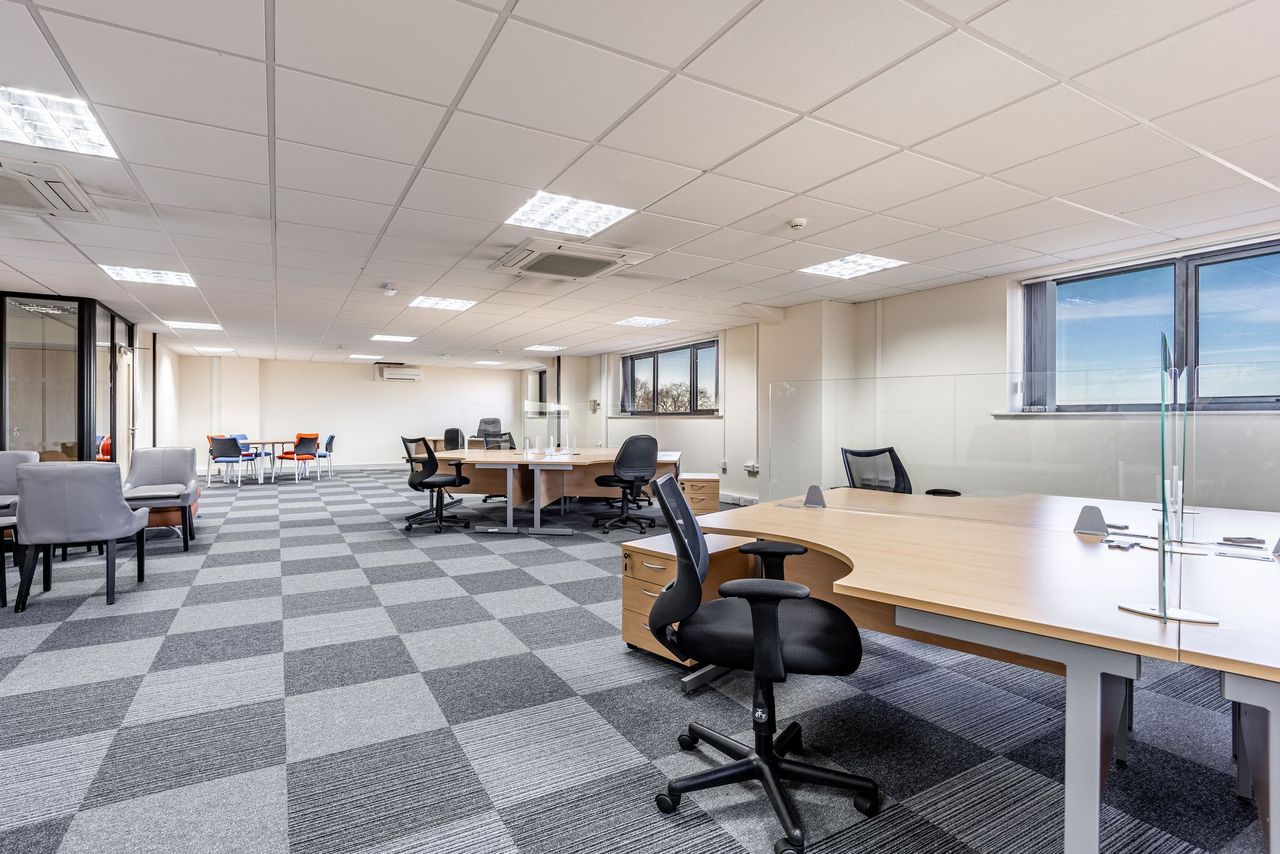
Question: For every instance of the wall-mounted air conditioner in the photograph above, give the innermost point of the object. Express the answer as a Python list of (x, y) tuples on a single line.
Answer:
[(399, 375), (554, 259), (43, 189)]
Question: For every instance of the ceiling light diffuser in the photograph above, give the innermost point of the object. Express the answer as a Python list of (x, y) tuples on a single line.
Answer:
[(851, 266), (50, 121), (487, 362), (148, 277), (444, 303), (567, 215), (364, 356), (544, 348), (191, 324), (399, 339), (644, 321)]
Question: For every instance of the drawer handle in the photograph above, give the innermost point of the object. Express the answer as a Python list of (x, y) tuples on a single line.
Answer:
[(650, 594), (646, 625), (652, 565)]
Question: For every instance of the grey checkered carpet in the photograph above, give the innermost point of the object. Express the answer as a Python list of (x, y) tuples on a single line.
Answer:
[(309, 678)]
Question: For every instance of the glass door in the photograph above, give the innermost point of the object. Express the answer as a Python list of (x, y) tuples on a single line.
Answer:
[(40, 377), (126, 427)]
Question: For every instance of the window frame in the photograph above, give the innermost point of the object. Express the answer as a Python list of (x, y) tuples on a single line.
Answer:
[(1185, 343), (629, 384)]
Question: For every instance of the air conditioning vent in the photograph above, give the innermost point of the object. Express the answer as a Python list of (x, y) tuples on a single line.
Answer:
[(399, 375), (551, 259), (44, 189)]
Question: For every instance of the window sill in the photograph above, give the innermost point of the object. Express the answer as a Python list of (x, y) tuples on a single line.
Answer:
[(669, 415), (1199, 413)]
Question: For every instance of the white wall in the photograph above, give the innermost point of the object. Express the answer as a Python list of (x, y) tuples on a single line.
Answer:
[(738, 387), (167, 397)]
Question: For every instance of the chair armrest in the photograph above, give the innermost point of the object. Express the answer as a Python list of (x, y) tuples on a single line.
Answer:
[(763, 596), (763, 589)]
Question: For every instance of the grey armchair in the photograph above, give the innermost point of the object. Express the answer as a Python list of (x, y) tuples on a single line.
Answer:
[(9, 462), (163, 478), (74, 503)]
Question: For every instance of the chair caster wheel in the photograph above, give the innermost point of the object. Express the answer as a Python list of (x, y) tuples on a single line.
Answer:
[(687, 742), (653, 524), (667, 802), (408, 527), (868, 805), (786, 846)]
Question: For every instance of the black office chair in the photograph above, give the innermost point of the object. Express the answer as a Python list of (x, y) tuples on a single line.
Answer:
[(633, 468), (881, 469), (425, 476), (489, 425), (454, 440), (766, 625), (496, 441)]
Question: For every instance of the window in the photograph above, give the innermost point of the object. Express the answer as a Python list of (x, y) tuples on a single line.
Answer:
[(680, 381), (542, 387), (1092, 342)]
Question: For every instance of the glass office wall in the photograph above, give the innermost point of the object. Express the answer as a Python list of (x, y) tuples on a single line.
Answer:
[(40, 363), (102, 387), (123, 394)]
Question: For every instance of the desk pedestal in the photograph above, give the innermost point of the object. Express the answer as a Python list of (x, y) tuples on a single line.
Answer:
[(1258, 748)]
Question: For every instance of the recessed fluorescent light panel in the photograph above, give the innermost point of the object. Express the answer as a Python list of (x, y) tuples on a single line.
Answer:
[(399, 339), (50, 121), (647, 322), (567, 215), (851, 266), (364, 356), (441, 302), (191, 324), (487, 362), (214, 350), (544, 348), (148, 277)]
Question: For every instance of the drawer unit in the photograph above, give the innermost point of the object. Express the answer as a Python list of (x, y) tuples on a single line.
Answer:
[(647, 567), (702, 490), (701, 504)]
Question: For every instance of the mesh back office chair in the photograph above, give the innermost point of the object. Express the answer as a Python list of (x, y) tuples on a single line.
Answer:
[(771, 627), (489, 425), (425, 476), (882, 469), (633, 468), (454, 440), (496, 441)]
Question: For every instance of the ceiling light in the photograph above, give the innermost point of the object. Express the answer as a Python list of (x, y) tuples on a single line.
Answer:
[(444, 303), (191, 324), (544, 348), (487, 362), (853, 265), (364, 356), (148, 277), (399, 339), (644, 321), (567, 215), (50, 121), (214, 350)]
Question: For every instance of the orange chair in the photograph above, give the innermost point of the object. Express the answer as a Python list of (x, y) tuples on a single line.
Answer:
[(104, 450), (304, 450)]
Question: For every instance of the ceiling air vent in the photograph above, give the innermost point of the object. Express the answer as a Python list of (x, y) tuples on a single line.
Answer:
[(551, 259), (43, 189)]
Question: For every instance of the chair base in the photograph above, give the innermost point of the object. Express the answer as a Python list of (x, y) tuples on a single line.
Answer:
[(436, 516), (767, 764), (639, 524)]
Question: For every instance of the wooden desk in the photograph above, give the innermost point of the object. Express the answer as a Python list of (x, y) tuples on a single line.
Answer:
[(474, 443)]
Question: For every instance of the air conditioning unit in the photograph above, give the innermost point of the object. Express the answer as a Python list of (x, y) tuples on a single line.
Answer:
[(44, 189), (399, 375), (572, 262)]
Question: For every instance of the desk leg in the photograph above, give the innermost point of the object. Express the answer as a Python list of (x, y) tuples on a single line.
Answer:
[(538, 527), (510, 527), (704, 675), (1095, 709), (1258, 748)]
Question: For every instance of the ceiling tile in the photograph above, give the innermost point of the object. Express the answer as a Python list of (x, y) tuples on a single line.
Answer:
[(893, 181), (375, 124), (542, 80), (1157, 186), (211, 224), (984, 256), (717, 199), (1240, 199), (1072, 37), (841, 42), (1031, 219), (737, 274), (336, 173), (964, 203), (193, 247), (26, 227), (794, 256), (665, 31), (935, 244), (619, 178), (1259, 158), (729, 244), (330, 211), (188, 190), (327, 262), (677, 265), (793, 283), (485, 148), (296, 236), (458, 195), (27, 62), (188, 147), (651, 232), (231, 25), (804, 155), (868, 233), (1017, 133), (1108, 158), (437, 228), (1267, 220), (1101, 230), (98, 234), (419, 48), (948, 83), (418, 252), (695, 125), (1158, 79), (1242, 116), (819, 216), (152, 75)]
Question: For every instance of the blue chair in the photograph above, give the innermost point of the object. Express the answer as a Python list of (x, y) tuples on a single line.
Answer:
[(325, 454), (225, 452), (255, 457)]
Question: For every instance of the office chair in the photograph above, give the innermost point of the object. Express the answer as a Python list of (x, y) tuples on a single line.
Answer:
[(633, 468), (867, 470), (496, 441), (454, 440), (325, 457), (305, 446), (489, 425), (766, 625), (425, 476)]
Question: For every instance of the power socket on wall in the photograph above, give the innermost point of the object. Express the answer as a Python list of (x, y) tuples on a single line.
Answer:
[(751, 468)]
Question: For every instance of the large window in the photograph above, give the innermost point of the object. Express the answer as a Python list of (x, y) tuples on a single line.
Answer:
[(1092, 342), (680, 381)]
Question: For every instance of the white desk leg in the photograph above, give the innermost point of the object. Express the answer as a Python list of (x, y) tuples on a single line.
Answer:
[(510, 527), (538, 527), (1095, 706), (1259, 745)]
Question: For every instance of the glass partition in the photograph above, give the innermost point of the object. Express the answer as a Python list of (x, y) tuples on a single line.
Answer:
[(41, 366)]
